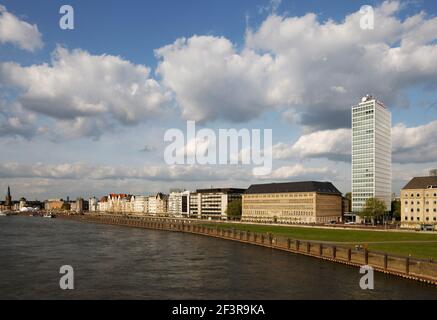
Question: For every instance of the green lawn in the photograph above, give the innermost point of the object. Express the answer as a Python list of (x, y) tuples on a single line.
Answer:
[(351, 237)]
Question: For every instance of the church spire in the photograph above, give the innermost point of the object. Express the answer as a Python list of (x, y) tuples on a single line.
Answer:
[(9, 191)]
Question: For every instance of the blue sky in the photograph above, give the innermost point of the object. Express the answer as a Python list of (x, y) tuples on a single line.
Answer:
[(292, 83)]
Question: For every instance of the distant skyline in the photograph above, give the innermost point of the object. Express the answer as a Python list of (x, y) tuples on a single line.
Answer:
[(83, 112)]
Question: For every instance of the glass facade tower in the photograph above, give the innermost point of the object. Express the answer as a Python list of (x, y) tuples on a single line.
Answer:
[(371, 153)]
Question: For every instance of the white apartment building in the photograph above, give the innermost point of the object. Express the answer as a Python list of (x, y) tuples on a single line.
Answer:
[(213, 203), (140, 204), (93, 204), (179, 203), (371, 153), (158, 205)]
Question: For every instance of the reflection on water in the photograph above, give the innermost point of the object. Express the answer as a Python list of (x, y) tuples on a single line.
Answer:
[(125, 263)]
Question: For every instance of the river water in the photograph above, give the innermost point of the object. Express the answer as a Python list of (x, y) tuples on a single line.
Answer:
[(113, 262)]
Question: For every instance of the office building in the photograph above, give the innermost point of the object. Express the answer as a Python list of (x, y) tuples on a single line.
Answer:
[(307, 202), (371, 153)]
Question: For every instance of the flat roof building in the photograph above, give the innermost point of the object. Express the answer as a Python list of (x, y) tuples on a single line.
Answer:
[(213, 203), (306, 202), (371, 153)]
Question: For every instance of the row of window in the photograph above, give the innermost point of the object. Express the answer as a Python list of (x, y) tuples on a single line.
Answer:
[(419, 195), (282, 195), (418, 202), (418, 219), (427, 210)]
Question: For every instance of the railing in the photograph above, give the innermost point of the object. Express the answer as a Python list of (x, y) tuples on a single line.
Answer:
[(419, 269)]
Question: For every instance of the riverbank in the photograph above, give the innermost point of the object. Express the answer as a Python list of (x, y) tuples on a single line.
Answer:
[(406, 267), (415, 244)]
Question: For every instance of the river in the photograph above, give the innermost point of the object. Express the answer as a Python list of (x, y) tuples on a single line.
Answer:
[(112, 262)]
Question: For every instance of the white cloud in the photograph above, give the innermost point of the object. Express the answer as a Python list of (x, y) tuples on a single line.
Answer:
[(212, 81), (299, 171), (16, 122), (19, 32), (100, 172), (409, 145), (415, 144), (93, 92), (331, 144), (314, 70)]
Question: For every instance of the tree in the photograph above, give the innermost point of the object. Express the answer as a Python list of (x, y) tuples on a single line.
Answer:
[(234, 209), (373, 209), (396, 209)]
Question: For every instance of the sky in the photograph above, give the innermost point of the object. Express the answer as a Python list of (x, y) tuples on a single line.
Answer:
[(84, 112)]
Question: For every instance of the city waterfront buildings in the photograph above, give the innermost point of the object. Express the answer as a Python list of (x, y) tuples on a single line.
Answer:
[(54, 204), (158, 204), (419, 203), (93, 204), (213, 203), (179, 203), (371, 153), (140, 204), (306, 202)]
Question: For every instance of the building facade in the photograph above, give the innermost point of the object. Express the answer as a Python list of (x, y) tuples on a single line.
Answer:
[(213, 203), (419, 203), (158, 205), (179, 203), (93, 204), (54, 204), (307, 202), (371, 153), (140, 204)]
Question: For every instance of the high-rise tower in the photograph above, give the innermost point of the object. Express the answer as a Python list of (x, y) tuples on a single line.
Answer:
[(371, 153)]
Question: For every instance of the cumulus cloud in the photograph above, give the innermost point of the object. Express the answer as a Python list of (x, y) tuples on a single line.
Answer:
[(331, 144), (100, 172), (299, 171), (409, 145), (16, 122), (93, 92), (415, 144), (19, 32), (211, 80), (312, 70)]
